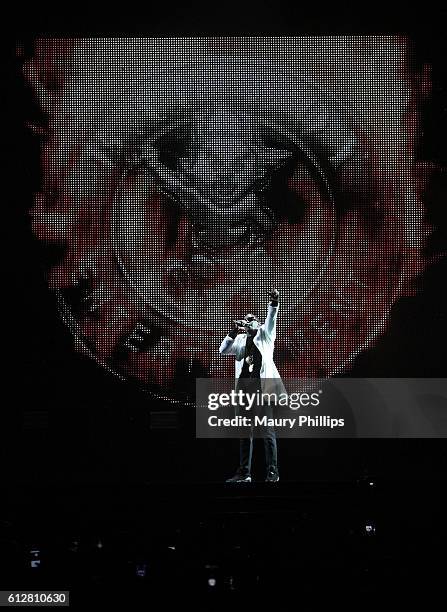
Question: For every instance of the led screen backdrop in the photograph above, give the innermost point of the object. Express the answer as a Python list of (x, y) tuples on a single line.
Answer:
[(184, 178)]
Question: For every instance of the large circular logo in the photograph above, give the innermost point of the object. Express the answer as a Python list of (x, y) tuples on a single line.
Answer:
[(184, 178)]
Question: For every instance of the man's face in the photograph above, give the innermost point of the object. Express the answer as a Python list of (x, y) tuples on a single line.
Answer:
[(253, 324)]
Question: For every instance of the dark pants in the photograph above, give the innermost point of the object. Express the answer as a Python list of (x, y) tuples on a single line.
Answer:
[(252, 385)]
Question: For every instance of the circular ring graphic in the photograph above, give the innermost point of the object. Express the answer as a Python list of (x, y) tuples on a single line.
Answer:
[(176, 218)]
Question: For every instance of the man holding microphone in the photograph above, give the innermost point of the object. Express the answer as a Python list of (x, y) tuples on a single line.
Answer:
[(252, 344)]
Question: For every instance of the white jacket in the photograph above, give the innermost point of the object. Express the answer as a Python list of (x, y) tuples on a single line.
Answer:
[(265, 341)]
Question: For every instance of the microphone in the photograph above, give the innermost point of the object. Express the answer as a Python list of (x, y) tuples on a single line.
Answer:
[(240, 323)]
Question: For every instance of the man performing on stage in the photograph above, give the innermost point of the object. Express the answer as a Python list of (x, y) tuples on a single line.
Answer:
[(252, 344)]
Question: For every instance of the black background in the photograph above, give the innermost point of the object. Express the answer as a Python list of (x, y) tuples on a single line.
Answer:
[(72, 422)]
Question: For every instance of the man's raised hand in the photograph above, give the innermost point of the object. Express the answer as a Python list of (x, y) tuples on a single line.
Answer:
[(274, 295)]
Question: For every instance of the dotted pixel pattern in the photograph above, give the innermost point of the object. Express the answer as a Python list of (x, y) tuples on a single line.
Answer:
[(184, 178)]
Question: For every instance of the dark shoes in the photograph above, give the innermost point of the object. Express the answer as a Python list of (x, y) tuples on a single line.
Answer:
[(272, 475), (240, 476)]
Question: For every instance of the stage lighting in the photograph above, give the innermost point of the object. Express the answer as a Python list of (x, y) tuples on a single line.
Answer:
[(211, 570), (35, 557), (141, 570), (370, 528), (367, 482), (230, 583), (73, 546)]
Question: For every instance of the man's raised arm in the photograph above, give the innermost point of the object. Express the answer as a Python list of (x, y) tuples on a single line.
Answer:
[(272, 313)]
